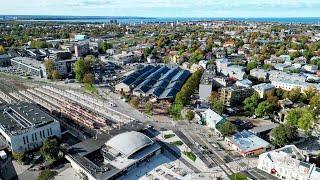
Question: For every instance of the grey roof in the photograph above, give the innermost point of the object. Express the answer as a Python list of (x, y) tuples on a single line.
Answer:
[(265, 128), (15, 118), (129, 142), (247, 141)]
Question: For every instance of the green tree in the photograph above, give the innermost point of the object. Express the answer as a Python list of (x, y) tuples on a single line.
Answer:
[(190, 115), (47, 175), (251, 65), (88, 78), (264, 108), (250, 103), (227, 128), (104, 47), (293, 95), (218, 106), (50, 150), (283, 134), (82, 67), (39, 44), (148, 107), (134, 102), (55, 74), (175, 110), (301, 117), (310, 92), (20, 157), (315, 103), (49, 66), (2, 49)]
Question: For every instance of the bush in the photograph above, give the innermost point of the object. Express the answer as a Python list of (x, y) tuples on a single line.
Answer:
[(190, 155), (227, 128), (90, 88), (238, 176), (176, 143), (167, 136), (50, 150), (20, 157), (47, 175)]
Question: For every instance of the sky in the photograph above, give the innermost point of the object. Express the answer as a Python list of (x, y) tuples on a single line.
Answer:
[(164, 8)]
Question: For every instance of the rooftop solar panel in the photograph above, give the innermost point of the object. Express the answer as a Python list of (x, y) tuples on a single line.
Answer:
[(157, 74), (176, 85), (181, 76), (141, 78), (169, 93), (171, 73)]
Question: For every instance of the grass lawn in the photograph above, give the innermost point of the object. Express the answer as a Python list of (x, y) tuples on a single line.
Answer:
[(89, 88), (190, 155), (167, 136), (238, 176), (177, 143)]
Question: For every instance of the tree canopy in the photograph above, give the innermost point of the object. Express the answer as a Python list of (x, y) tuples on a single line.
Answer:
[(227, 128), (283, 134), (50, 150), (49, 66), (82, 67), (250, 103), (301, 118)]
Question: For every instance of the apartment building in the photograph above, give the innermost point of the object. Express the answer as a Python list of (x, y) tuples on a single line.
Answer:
[(233, 96)]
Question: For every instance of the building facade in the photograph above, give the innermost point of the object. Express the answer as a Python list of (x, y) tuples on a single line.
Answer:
[(206, 85), (24, 126), (29, 66), (233, 96), (288, 163)]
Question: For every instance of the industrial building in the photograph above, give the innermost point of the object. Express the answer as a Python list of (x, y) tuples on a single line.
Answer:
[(29, 66), (248, 144), (161, 82), (24, 126), (114, 158), (206, 84), (288, 163)]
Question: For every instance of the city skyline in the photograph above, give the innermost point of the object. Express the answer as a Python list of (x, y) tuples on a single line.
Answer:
[(165, 8)]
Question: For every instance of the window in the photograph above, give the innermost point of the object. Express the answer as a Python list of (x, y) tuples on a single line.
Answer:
[(51, 131), (40, 135), (27, 139), (35, 135), (48, 132), (24, 140)]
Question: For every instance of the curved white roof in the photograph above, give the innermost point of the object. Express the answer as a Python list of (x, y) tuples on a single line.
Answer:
[(129, 142)]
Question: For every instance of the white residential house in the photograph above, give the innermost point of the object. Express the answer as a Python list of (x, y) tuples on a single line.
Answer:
[(212, 119), (263, 89), (288, 163), (260, 74)]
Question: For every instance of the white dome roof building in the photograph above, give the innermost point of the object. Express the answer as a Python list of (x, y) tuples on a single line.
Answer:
[(126, 150), (128, 143)]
